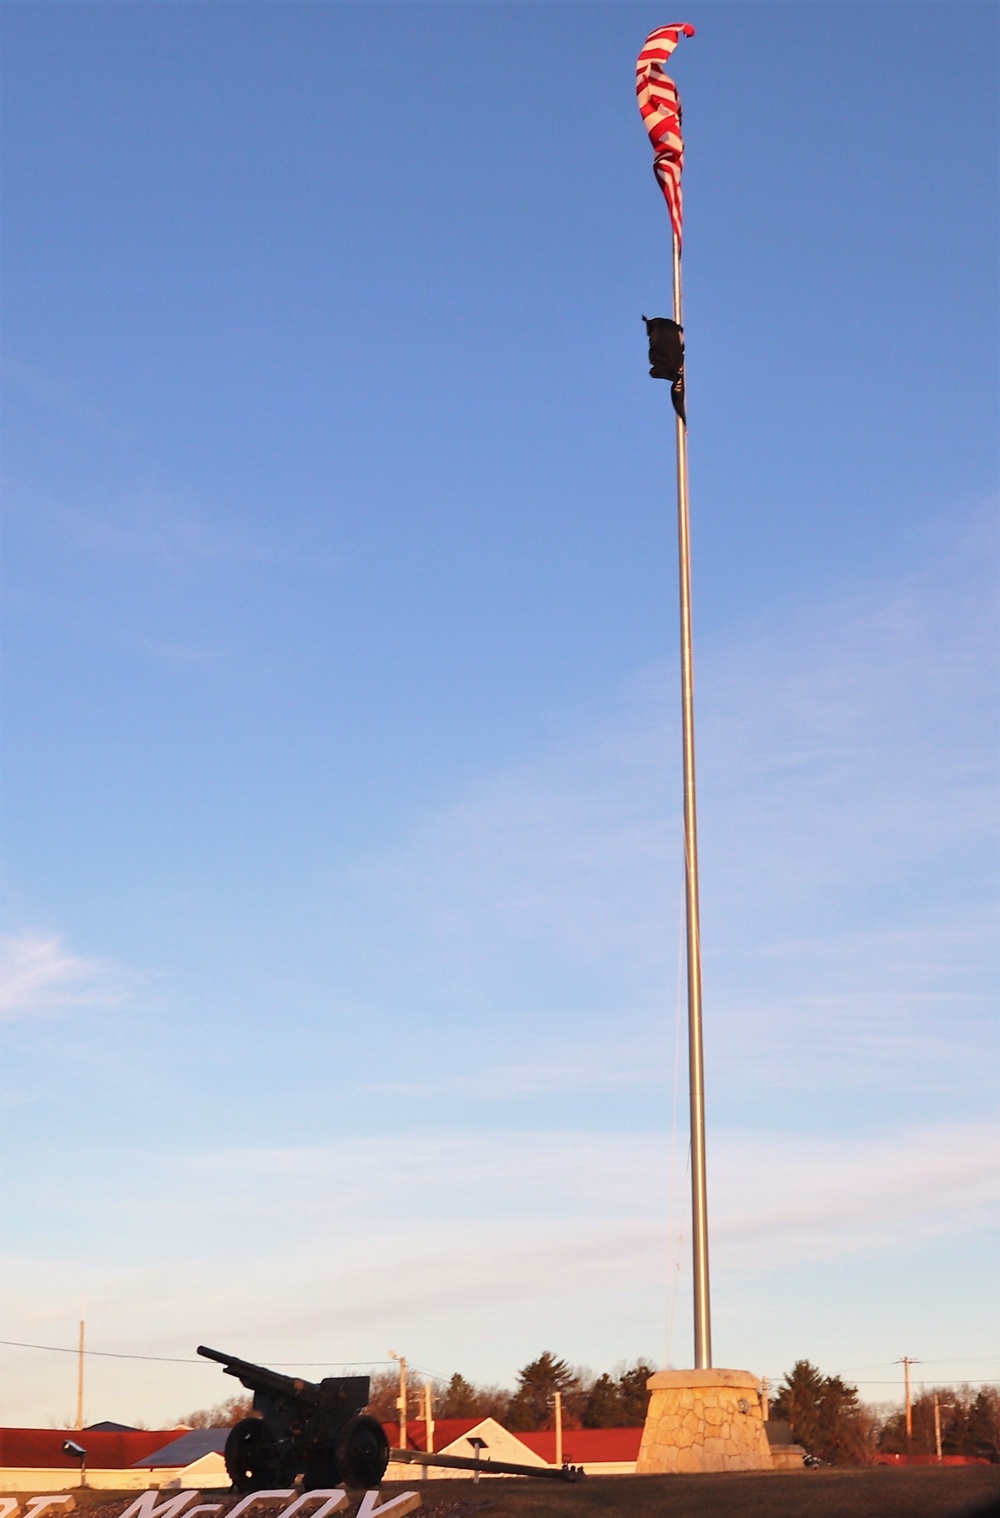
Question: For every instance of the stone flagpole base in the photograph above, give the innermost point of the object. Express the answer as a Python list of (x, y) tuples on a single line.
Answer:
[(704, 1420)]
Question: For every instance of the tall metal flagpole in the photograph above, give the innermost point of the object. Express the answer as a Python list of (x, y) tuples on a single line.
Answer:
[(660, 106), (696, 1063)]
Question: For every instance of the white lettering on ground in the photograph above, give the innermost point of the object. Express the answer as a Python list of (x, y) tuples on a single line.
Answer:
[(254, 1497), (332, 1499), (397, 1506), (60, 1504), (146, 1506)]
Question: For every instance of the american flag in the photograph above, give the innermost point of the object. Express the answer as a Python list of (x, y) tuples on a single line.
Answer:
[(660, 105)]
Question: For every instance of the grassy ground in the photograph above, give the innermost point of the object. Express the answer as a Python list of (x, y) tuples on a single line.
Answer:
[(923, 1492), (878, 1493)]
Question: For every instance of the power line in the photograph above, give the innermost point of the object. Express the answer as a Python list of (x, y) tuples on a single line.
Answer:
[(953, 1359), (987, 1381), (112, 1354), (980, 1381), (106, 1354), (426, 1371)]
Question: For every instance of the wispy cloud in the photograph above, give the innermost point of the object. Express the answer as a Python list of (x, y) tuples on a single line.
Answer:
[(593, 1063), (849, 808), (40, 977), (524, 941), (167, 530), (475, 1199), (780, 1203), (173, 533), (540, 1237), (40, 388)]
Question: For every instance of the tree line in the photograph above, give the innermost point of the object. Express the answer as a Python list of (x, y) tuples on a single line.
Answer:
[(831, 1422), (825, 1413), (616, 1399)]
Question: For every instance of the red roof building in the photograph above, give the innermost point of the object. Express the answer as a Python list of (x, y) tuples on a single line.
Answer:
[(446, 1431), (601, 1451), (587, 1446), (42, 1448)]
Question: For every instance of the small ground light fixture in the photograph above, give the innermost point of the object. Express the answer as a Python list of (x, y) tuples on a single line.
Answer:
[(478, 1445), (77, 1451)]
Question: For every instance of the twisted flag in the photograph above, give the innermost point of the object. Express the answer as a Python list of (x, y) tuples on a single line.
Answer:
[(666, 357), (660, 105)]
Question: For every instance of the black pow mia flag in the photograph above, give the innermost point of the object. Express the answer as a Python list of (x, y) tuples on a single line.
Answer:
[(666, 357)]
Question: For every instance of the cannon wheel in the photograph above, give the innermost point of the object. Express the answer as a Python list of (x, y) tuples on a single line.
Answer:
[(251, 1456), (362, 1452)]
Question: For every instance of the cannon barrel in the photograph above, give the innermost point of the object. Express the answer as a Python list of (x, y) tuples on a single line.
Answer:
[(488, 1467), (259, 1378)]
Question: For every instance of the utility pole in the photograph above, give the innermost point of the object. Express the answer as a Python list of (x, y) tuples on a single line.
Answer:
[(765, 1394), (906, 1361), (557, 1400), (401, 1399), (79, 1379), (937, 1426), (428, 1420), (428, 1427)]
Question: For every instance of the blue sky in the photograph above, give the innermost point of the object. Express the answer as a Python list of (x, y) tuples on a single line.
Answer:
[(341, 837)]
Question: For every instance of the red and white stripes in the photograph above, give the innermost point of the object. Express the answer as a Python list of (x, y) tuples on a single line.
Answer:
[(660, 105)]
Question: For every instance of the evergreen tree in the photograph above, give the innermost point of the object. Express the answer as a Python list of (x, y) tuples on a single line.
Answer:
[(618, 1402), (531, 1405), (604, 1405), (634, 1396), (461, 1399), (825, 1415), (983, 1428), (798, 1402), (843, 1432)]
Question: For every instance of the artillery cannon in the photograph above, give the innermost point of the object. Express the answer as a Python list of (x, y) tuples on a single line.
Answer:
[(318, 1432)]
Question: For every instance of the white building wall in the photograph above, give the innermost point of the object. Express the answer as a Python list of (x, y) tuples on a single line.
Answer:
[(19, 1478)]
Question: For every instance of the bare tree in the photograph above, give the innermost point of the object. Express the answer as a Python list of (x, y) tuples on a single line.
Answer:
[(383, 1396), (223, 1415)]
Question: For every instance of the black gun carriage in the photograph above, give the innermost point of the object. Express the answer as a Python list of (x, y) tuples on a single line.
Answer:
[(319, 1432)]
